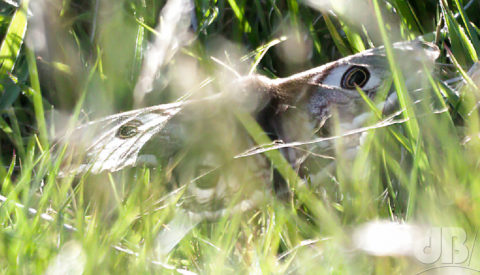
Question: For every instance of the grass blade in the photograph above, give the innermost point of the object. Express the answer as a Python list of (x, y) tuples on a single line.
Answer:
[(11, 45), (462, 47), (398, 80)]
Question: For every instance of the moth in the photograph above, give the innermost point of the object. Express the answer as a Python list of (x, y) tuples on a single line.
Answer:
[(200, 138)]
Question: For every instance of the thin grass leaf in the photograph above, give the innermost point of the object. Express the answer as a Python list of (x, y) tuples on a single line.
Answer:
[(453, 99), (12, 43), (411, 124), (139, 45), (37, 99), (462, 72), (472, 34), (461, 44), (418, 166), (439, 97), (239, 13), (378, 113), (294, 12), (391, 190), (408, 16), (16, 134), (355, 39), (337, 39), (262, 50)]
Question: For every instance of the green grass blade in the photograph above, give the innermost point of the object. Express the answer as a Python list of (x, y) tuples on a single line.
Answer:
[(239, 13), (408, 16), (398, 80), (11, 44), (337, 38), (462, 47), (378, 113), (37, 99), (472, 34), (354, 38)]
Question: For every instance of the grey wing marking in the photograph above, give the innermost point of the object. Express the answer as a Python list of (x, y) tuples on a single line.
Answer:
[(114, 142)]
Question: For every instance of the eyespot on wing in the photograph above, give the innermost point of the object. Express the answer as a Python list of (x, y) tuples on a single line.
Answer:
[(129, 129), (355, 76)]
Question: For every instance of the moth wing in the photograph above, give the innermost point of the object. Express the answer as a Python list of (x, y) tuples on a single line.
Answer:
[(113, 143)]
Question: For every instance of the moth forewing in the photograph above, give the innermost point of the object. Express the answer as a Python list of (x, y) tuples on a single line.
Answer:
[(114, 142), (411, 54), (324, 101)]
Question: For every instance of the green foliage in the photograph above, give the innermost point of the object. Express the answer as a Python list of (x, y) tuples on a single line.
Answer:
[(423, 170)]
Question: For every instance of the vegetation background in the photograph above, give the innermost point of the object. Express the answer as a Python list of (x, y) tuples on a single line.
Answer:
[(84, 58)]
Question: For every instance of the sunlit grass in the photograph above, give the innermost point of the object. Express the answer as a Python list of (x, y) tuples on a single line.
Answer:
[(423, 171)]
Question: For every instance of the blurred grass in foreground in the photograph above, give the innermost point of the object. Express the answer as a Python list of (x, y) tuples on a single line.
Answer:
[(89, 55)]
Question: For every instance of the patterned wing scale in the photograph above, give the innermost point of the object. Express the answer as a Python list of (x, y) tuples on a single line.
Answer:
[(113, 143), (208, 137)]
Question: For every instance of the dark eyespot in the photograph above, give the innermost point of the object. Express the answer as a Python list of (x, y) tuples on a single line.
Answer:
[(355, 76), (129, 129)]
